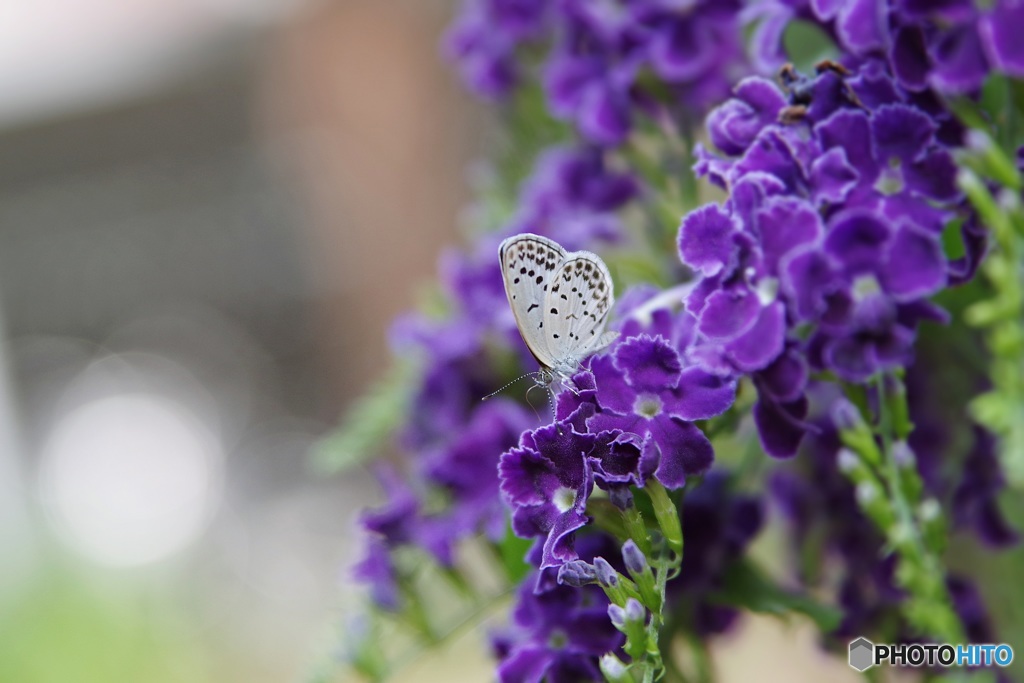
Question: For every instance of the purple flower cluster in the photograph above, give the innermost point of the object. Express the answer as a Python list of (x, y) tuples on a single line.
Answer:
[(826, 252), (561, 629), (598, 54), (559, 632), (817, 268), (819, 502), (950, 45), (630, 418), (718, 525), (464, 469), (573, 194), (454, 439)]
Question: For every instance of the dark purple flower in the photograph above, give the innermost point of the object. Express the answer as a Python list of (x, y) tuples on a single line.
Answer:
[(591, 92), (999, 37), (397, 520), (558, 634), (485, 58), (547, 480), (781, 406), (975, 498), (958, 59), (467, 468), (756, 103), (719, 523), (707, 240), (572, 196), (594, 57), (950, 46), (829, 244), (643, 390)]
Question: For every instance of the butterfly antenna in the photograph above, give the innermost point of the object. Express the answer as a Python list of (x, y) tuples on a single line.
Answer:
[(551, 401), (495, 393), (530, 403)]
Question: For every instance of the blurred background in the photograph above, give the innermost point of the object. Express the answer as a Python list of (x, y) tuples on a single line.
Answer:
[(209, 211)]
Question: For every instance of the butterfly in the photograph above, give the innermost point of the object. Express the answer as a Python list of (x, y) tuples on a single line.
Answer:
[(560, 301)]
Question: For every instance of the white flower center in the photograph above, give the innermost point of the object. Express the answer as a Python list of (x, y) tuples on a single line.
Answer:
[(865, 286), (564, 498), (767, 290), (890, 180), (558, 639), (647, 405)]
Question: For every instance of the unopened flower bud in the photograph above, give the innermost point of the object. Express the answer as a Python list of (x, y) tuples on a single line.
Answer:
[(867, 492), (577, 573), (847, 460), (621, 497), (845, 416), (614, 669), (606, 574), (632, 613), (617, 616), (635, 612), (635, 561), (929, 510), (902, 454)]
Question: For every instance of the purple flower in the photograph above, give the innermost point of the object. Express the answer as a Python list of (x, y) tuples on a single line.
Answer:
[(756, 103), (948, 46), (397, 520), (718, 525), (999, 37), (467, 468), (819, 503), (558, 634), (593, 94), (572, 196), (547, 480), (975, 498), (378, 572), (644, 390), (486, 58), (594, 54), (829, 244)]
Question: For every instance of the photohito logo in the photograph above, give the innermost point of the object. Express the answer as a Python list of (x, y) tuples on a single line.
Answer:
[(864, 654)]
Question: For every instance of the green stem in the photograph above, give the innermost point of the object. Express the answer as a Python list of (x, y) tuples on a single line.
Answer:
[(921, 572)]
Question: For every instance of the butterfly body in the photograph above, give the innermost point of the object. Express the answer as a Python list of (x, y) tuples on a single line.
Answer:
[(560, 301)]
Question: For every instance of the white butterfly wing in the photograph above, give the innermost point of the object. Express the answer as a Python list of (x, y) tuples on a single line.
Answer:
[(528, 266), (577, 306)]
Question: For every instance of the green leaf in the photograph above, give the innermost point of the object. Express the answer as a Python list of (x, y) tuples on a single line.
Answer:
[(368, 424), (512, 550), (746, 586), (806, 45)]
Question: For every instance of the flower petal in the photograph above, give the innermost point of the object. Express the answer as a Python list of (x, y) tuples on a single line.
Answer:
[(706, 239)]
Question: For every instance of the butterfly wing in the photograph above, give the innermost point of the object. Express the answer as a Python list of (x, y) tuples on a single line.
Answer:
[(577, 306), (528, 266)]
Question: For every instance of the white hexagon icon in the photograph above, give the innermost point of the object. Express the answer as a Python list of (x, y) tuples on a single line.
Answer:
[(862, 654)]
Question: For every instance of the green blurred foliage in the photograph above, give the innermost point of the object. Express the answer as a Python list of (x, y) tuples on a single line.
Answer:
[(67, 623)]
